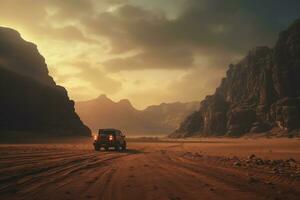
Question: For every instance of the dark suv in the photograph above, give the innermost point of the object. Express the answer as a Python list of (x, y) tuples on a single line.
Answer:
[(109, 138)]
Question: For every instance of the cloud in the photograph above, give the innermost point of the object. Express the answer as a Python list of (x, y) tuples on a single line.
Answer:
[(47, 18), (156, 59), (204, 28), (99, 80), (106, 46), (69, 33), (70, 9), (195, 84), (87, 73), (192, 85)]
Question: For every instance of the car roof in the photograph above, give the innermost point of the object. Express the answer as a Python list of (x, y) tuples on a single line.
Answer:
[(108, 129)]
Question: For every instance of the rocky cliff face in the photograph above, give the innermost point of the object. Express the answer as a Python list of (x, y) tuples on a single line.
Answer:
[(259, 93), (30, 101), (154, 120)]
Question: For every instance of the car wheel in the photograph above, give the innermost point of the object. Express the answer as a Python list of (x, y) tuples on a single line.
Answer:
[(117, 147), (124, 147), (97, 148)]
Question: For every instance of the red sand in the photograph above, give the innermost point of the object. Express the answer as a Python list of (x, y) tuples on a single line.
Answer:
[(201, 169)]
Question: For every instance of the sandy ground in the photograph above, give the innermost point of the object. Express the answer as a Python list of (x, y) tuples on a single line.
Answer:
[(197, 169)]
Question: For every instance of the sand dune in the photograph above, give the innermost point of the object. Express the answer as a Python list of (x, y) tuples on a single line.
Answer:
[(201, 169)]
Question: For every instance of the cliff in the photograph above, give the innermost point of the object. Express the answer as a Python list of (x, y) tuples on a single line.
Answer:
[(30, 101), (259, 93)]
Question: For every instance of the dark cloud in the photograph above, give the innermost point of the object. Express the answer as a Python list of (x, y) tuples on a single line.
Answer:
[(163, 58), (235, 25), (132, 28), (204, 27), (198, 37)]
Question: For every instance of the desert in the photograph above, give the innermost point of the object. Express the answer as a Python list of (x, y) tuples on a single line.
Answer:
[(214, 168), (149, 100)]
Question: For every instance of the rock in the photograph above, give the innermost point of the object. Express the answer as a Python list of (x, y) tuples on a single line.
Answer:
[(237, 164), (274, 170), (259, 127), (189, 126), (235, 158), (259, 161), (31, 102), (291, 160), (241, 119), (252, 156), (252, 179), (198, 154), (269, 183), (259, 93)]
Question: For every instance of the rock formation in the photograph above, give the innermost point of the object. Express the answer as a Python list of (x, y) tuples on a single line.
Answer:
[(259, 93), (102, 112), (30, 101)]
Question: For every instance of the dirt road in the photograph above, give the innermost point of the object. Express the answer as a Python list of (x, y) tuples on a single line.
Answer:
[(212, 169)]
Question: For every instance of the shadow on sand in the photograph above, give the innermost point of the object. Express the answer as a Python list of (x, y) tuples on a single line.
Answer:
[(133, 151), (127, 151)]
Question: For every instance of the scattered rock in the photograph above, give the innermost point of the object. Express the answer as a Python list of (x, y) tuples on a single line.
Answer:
[(198, 155), (291, 160), (252, 179), (269, 183), (163, 151), (259, 161), (237, 164)]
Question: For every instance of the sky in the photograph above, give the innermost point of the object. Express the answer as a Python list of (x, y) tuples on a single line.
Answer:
[(146, 51)]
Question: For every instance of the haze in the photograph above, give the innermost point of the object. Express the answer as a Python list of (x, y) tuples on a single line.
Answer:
[(146, 51)]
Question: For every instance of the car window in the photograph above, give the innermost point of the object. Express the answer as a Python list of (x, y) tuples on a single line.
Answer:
[(106, 132)]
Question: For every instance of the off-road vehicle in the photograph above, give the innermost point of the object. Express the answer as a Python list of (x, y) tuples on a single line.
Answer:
[(107, 138)]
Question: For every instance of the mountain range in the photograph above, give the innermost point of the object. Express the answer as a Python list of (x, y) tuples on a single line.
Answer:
[(161, 119)]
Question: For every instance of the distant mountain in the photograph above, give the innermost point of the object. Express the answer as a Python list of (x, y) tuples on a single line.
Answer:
[(30, 101), (259, 93), (154, 120)]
